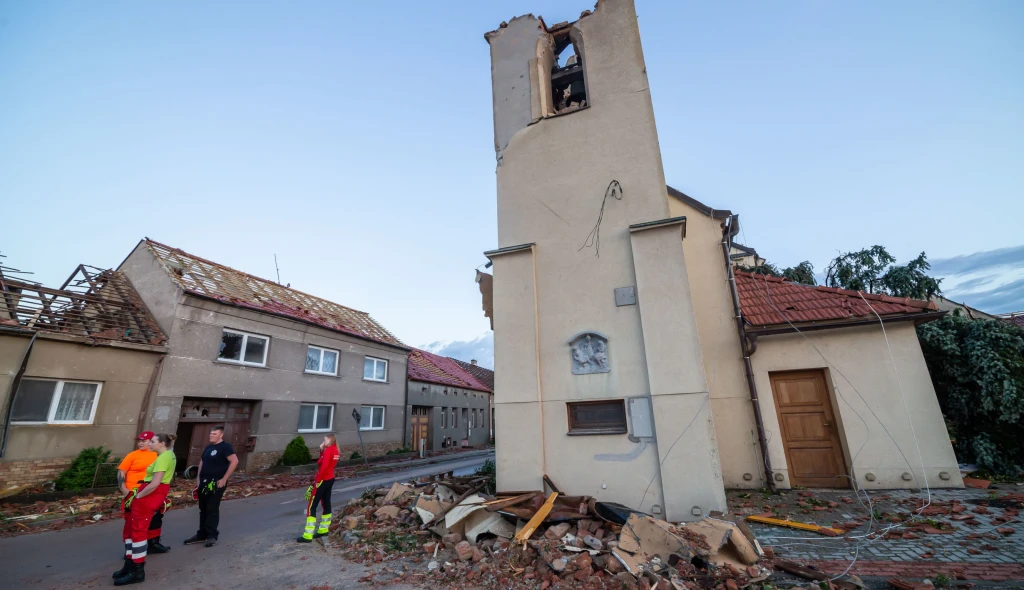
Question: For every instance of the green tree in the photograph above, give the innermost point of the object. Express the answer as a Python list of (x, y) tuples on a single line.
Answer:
[(801, 273), (874, 270), (977, 367)]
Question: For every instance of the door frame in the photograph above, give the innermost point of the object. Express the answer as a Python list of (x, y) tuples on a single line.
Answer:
[(835, 430)]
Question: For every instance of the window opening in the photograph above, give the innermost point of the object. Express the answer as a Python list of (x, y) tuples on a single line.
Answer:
[(371, 418), (316, 417), (597, 417), (568, 87)]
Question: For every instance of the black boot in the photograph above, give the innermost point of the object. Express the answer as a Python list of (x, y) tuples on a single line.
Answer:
[(136, 575), (124, 570), (156, 547)]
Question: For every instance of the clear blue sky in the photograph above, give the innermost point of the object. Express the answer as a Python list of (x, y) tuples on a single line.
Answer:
[(354, 140)]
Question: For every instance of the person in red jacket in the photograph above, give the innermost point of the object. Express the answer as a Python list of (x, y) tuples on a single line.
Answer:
[(320, 491)]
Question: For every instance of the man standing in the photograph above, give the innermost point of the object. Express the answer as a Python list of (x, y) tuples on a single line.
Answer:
[(216, 466)]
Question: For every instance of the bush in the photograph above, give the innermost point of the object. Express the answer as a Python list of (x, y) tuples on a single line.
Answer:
[(296, 453), (355, 455), (491, 470), (977, 367), (80, 474), (399, 451)]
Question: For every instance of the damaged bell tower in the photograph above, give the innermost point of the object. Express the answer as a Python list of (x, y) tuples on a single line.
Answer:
[(600, 383)]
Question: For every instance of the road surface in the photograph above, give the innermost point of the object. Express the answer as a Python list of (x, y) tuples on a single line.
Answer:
[(256, 549)]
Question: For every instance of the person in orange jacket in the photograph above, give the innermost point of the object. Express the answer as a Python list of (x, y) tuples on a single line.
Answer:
[(320, 491), (143, 503), (130, 472)]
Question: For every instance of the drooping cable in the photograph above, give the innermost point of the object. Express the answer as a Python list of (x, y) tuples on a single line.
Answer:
[(594, 237)]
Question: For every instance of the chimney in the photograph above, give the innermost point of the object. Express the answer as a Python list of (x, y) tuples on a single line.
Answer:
[(472, 362)]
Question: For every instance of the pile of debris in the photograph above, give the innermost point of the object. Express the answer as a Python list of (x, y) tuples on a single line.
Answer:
[(529, 540)]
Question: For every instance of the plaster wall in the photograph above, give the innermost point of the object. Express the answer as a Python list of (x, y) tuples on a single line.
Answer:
[(878, 432), (123, 373)]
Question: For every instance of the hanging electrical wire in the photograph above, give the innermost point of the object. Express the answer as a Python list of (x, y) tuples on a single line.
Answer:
[(594, 237)]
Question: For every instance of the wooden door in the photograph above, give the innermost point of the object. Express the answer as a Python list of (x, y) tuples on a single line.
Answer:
[(809, 433), (420, 426)]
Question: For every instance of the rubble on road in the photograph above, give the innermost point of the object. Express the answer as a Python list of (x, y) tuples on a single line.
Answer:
[(452, 533)]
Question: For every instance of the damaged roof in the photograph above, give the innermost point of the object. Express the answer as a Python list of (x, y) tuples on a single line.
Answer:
[(433, 368), (762, 298), (97, 304), (204, 278), (485, 376)]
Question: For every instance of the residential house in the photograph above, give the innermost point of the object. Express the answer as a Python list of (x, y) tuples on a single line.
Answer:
[(956, 308), (485, 376), (80, 362), (268, 361), (618, 354), (448, 405)]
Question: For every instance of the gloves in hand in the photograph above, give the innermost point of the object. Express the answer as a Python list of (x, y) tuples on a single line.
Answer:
[(128, 499), (166, 506), (309, 493)]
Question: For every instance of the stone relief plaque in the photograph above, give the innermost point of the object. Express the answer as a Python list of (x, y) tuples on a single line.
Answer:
[(589, 353)]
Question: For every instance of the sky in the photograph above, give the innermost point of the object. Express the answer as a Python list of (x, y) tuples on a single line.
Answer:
[(354, 140)]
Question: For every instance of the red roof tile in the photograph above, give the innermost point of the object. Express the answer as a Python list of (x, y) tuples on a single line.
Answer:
[(202, 277), (432, 368), (485, 376), (764, 300)]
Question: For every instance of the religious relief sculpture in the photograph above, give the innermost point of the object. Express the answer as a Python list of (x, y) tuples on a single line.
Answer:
[(589, 353)]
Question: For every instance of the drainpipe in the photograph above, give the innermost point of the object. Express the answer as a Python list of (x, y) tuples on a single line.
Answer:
[(406, 431), (728, 234), (149, 394), (14, 389)]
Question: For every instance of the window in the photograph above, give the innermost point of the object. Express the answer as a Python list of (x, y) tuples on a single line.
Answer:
[(465, 416), (316, 417), (41, 401), (322, 361), (472, 418), (599, 417), (375, 369), (371, 418), (455, 418), (242, 348), (444, 417)]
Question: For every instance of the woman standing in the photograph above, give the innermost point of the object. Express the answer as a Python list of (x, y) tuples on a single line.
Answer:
[(129, 473), (320, 491), (146, 502)]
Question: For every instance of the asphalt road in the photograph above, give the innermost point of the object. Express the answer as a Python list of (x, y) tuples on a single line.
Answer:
[(256, 550)]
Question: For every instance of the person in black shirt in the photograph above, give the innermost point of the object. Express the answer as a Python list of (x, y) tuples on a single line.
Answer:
[(216, 466)]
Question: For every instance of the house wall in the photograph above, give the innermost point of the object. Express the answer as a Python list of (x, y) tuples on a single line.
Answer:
[(551, 181), (445, 398), (193, 371), (859, 353), (878, 432), (38, 453)]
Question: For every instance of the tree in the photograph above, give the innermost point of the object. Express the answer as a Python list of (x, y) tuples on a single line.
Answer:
[(80, 474), (873, 270), (977, 367), (802, 273)]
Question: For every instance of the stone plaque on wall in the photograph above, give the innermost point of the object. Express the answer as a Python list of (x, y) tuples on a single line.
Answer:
[(589, 353)]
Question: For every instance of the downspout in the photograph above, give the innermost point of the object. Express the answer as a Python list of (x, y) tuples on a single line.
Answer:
[(407, 431), (728, 234), (149, 394), (14, 390)]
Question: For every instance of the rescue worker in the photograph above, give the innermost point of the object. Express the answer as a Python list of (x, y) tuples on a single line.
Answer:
[(320, 491), (144, 502), (129, 473), (218, 463)]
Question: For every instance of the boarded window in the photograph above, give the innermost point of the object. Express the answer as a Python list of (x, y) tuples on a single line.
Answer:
[(598, 417)]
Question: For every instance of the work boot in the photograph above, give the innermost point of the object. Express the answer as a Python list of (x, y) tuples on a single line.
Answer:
[(134, 576), (211, 542), (324, 528), (155, 546), (124, 570), (194, 539), (303, 540)]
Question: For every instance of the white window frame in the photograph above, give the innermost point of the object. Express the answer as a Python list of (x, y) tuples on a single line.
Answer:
[(316, 410), (376, 360), (337, 360), (55, 401), (383, 416), (245, 341)]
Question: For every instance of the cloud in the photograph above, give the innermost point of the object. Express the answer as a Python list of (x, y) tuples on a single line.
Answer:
[(480, 349), (992, 281)]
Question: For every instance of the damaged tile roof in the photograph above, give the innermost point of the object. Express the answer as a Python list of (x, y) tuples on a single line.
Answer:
[(762, 298), (204, 278), (485, 376), (432, 368)]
